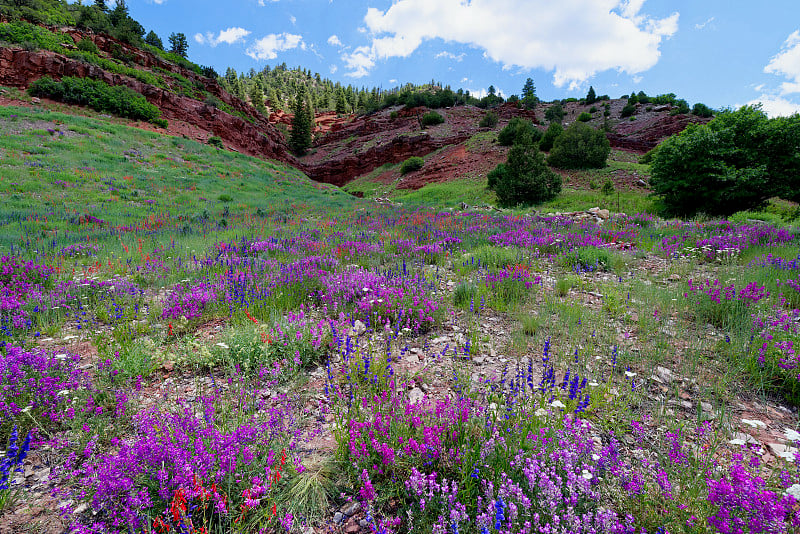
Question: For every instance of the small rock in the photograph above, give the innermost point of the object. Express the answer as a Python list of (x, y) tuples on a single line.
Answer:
[(338, 517), (80, 509), (350, 508), (664, 374), (603, 214), (755, 423), (363, 523), (641, 183), (479, 359), (783, 451), (359, 328), (35, 100), (352, 529), (706, 407), (416, 396), (674, 277)]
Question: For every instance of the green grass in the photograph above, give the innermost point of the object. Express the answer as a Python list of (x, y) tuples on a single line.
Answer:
[(56, 168), (448, 194)]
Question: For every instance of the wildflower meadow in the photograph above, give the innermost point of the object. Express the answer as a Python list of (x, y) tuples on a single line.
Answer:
[(207, 343)]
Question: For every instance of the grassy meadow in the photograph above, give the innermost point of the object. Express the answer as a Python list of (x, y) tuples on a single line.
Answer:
[(197, 341)]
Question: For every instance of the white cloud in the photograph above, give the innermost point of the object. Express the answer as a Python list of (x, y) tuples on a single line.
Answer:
[(333, 69), (229, 36), (333, 40), (268, 46), (265, 2), (449, 55), (465, 79), (776, 106), (783, 101), (393, 80), (704, 24), (575, 39), (787, 63)]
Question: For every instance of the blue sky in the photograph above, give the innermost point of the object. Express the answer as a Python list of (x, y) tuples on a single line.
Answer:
[(724, 53)]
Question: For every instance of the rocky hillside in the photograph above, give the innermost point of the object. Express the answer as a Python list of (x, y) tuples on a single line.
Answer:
[(195, 106), (346, 147), (355, 148)]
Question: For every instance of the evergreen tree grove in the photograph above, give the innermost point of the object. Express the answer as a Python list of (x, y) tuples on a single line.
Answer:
[(302, 123)]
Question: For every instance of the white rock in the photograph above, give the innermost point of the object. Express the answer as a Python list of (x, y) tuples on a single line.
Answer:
[(755, 423)]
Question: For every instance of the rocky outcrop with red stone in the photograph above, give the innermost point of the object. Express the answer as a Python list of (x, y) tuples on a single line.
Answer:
[(257, 137), (647, 131)]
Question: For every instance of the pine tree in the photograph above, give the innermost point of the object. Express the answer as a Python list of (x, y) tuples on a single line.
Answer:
[(154, 40), (119, 13), (300, 138), (591, 97), (179, 44), (529, 98), (101, 4), (257, 96), (341, 103)]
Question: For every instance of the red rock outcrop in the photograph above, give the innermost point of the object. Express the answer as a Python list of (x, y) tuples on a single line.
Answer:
[(18, 68), (646, 132)]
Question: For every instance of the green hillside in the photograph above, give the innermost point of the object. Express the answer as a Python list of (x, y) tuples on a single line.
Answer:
[(56, 169)]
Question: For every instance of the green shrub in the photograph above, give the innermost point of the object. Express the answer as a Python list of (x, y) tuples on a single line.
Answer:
[(701, 110), (489, 120), (432, 118), (593, 109), (87, 45), (413, 163), (584, 117), (23, 32), (628, 110), (393, 115), (225, 198), (515, 129), (555, 113), (734, 163), (161, 123), (98, 95), (647, 158), (496, 175), (552, 133), (608, 187), (525, 178), (580, 147), (215, 141)]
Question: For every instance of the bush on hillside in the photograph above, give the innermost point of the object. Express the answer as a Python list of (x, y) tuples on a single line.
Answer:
[(550, 135), (584, 117), (555, 113), (489, 120), (22, 32), (580, 147), (515, 129), (432, 118), (414, 163), (734, 163), (701, 110), (117, 100), (87, 45), (628, 110), (525, 177)]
